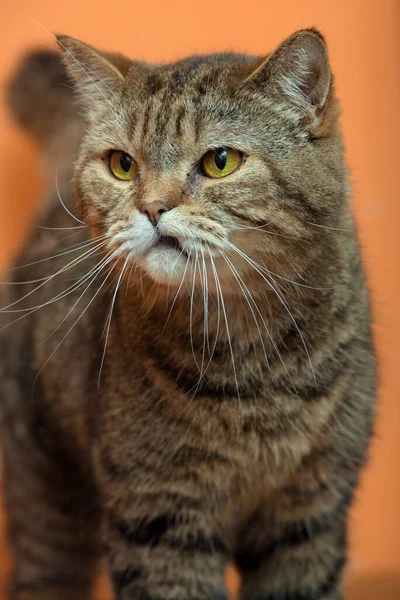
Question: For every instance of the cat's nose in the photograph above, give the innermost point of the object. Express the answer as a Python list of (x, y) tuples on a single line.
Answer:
[(154, 210)]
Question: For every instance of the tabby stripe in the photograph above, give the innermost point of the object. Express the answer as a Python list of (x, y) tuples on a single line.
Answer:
[(198, 542), (333, 578), (177, 500), (314, 212), (154, 83), (178, 122), (273, 228), (296, 534), (146, 119), (188, 382), (150, 534), (122, 472), (122, 579), (328, 372), (320, 593), (248, 390), (146, 534), (143, 595), (191, 455)]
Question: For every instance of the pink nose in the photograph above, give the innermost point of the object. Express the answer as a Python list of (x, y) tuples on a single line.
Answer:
[(154, 210)]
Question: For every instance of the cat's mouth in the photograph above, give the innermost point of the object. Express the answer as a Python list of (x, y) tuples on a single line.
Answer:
[(168, 241)]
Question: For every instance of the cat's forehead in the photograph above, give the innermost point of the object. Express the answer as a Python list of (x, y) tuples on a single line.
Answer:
[(181, 103), (220, 63), (195, 75), (174, 113)]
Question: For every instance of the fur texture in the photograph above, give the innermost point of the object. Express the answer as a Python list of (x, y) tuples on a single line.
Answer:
[(178, 405)]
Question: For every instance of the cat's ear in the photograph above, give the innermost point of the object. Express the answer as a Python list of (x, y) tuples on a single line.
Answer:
[(298, 71), (97, 76)]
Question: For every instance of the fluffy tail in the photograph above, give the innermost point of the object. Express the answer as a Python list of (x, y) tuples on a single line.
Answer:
[(41, 100)]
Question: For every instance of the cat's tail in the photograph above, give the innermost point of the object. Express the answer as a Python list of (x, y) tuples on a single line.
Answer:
[(41, 100)]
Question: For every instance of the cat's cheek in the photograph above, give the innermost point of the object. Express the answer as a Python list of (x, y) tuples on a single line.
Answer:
[(134, 238), (165, 265)]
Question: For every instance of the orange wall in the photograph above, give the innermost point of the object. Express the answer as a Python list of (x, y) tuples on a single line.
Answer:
[(364, 37)]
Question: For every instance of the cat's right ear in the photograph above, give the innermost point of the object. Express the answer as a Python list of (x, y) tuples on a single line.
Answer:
[(96, 76)]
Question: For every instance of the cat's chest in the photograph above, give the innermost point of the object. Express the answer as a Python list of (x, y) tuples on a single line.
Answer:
[(188, 365)]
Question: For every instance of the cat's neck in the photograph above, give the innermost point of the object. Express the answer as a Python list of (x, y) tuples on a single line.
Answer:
[(194, 318)]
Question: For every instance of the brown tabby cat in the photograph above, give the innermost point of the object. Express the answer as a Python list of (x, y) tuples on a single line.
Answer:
[(189, 377)]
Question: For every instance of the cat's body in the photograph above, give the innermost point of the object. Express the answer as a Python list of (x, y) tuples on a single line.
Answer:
[(131, 449)]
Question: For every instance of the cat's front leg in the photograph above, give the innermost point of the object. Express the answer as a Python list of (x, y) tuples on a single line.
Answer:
[(300, 558), (163, 541), (167, 554)]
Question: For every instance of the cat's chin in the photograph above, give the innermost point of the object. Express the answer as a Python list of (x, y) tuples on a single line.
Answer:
[(165, 265)]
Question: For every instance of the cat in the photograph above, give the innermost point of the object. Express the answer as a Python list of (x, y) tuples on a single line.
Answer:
[(188, 375)]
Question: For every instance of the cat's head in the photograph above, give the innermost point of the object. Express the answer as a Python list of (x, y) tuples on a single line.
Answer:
[(218, 162)]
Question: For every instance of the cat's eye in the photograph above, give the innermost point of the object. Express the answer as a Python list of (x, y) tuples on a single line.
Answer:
[(122, 165), (220, 162)]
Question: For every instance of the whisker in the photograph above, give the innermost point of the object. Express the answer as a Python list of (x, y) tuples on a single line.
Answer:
[(265, 327), (108, 258), (83, 67), (205, 315), (59, 195), (331, 228), (217, 281), (191, 311), (71, 328), (296, 283), (261, 230), (247, 294), (109, 317), (205, 278), (77, 260), (60, 228), (177, 293), (73, 248), (205, 324), (283, 302)]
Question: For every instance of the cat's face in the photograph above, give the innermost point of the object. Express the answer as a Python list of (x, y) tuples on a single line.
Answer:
[(220, 165)]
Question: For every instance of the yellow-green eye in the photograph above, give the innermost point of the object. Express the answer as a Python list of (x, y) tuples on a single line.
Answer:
[(122, 166), (220, 162)]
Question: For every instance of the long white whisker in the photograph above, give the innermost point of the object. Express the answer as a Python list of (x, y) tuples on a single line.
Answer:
[(60, 228), (226, 325), (73, 248), (109, 317), (83, 67), (330, 228), (283, 302), (261, 230), (263, 322), (6, 309), (93, 275), (205, 315), (59, 195), (177, 293), (247, 294), (211, 354), (205, 331), (191, 311), (205, 279), (72, 326)]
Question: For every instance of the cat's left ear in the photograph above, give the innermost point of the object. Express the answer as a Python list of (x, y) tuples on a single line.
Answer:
[(97, 76), (298, 72)]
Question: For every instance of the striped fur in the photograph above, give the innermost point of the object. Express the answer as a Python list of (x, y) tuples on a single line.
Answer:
[(225, 411)]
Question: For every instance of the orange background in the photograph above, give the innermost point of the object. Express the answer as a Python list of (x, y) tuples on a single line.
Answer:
[(364, 41)]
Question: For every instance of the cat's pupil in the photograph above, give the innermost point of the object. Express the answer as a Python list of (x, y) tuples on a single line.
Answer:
[(125, 161), (220, 158)]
